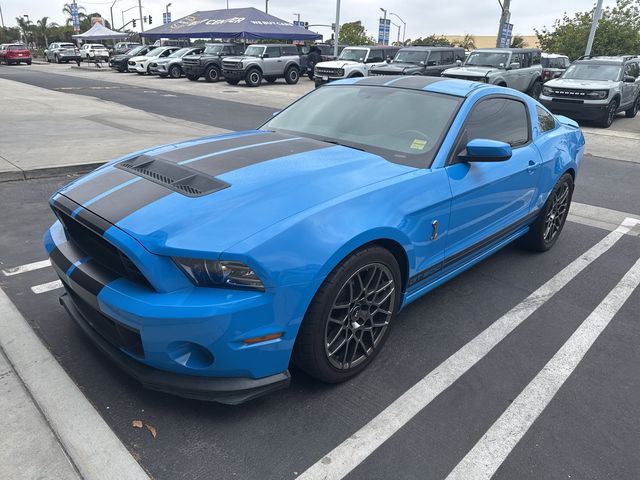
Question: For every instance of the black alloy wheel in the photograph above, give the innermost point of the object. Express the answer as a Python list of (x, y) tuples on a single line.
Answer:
[(536, 90), (609, 114), (292, 75), (633, 111), (253, 78), (212, 74), (175, 71), (350, 317)]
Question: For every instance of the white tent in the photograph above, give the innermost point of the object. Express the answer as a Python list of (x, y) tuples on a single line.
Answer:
[(100, 32)]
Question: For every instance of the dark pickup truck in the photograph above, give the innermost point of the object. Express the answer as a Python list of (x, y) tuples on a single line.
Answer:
[(209, 63)]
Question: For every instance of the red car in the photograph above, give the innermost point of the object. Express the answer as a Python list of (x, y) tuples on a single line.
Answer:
[(11, 53)]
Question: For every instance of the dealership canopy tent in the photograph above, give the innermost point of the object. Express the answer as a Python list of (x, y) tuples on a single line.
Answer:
[(100, 32), (243, 23)]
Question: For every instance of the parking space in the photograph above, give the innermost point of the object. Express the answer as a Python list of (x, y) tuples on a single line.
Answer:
[(301, 429)]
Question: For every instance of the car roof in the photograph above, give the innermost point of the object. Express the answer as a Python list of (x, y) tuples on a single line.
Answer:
[(448, 86), (554, 55), (603, 60), (507, 50), (424, 48)]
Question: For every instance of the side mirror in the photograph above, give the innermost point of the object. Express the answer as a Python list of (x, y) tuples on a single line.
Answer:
[(264, 55), (629, 79), (484, 150), (389, 59), (514, 65), (459, 62)]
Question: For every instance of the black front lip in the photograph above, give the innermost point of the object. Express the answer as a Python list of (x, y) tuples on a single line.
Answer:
[(227, 390)]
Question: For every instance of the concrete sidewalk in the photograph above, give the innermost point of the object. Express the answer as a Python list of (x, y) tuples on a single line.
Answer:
[(46, 132)]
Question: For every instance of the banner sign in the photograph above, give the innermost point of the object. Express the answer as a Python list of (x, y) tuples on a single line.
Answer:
[(166, 18), (74, 17), (505, 35), (384, 28)]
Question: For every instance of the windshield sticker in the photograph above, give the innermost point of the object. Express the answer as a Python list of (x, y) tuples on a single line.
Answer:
[(418, 144)]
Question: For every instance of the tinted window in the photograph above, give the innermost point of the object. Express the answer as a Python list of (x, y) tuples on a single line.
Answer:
[(447, 58), (631, 69), (516, 58), (498, 119), (273, 52), (460, 55), (289, 50), (375, 56), (526, 60), (536, 57), (546, 121), (434, 59)]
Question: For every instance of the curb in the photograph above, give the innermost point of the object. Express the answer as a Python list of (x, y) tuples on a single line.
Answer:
[(46, 172)]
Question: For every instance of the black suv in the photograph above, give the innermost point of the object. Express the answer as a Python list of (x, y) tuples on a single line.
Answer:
[(209, 64), (121, 62), (429, 61)]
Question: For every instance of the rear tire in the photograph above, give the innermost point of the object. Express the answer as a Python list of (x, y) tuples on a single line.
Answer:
[(359, 299), (633, 111), (56, 58), (546, 229), (292, 75), (28, 62), (253, 78), (536, 90), (212, 74)]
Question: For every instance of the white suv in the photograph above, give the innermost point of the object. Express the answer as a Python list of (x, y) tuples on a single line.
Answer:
[(94, 51), (140, 64), (353, 62)]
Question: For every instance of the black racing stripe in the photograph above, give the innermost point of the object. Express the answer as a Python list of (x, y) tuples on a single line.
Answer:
[(60, 260), (64, 209), (63, 204), (127, 200), (228, 162), (92, 277), (97, 185), (416, 82), (209, 148)]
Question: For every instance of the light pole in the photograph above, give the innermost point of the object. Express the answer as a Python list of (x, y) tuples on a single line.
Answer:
[(404, 28), (266, 6), (131, 8), (141, 23), (166, 9), (396, 25), (384, 27), (112, 24), (594, 26), (298, 15), (337, 30), (1, 17), (26, 37), (505, 16)]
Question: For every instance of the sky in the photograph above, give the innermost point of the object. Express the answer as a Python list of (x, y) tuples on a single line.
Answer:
[(478, 17)]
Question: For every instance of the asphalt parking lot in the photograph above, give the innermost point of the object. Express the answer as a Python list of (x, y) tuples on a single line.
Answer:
[(590, 429)]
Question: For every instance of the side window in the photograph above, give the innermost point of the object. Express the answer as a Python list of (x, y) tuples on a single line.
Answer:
[(526, 60), (631, 69), (516, 58), (460, 55), (498, 119), (567, 62), (375, 56), (546, 121), (289, 50), (535, 57), (166, 53), (273, 52), (447, 58), (390, 53), (434, 59)]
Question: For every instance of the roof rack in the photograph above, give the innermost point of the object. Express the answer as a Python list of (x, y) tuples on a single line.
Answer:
[(624, 58)]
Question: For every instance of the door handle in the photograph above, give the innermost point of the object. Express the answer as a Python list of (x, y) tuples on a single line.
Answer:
[(532, 166)]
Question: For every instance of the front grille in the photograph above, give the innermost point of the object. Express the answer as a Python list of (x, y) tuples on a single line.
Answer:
[(330, 72), (103, 252), (570, 93), (117, 334), (231, 65), (377, 73)]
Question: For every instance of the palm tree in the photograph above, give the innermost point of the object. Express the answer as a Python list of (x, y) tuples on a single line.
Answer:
[(468, 42), (67, 11), (25, 26), (43, 27)]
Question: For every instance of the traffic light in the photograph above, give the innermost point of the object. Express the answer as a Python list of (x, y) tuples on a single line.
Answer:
[(134, 23), (306, 25), (150, 20)]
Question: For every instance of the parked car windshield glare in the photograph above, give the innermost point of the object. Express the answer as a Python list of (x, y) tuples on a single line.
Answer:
[(133, 52), (353, 54), (593, 72), (213, 49), (180, 53), (358, 116), (409, 56), (155, 52), (254, 51), (487, 59)]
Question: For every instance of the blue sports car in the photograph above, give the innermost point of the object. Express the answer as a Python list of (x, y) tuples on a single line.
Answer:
[(204, 268)]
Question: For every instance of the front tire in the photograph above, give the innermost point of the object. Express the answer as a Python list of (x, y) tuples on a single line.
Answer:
[(536, 90), (175, 71), (350, 316), (292, 75), (546, 229), (253, 78), (633, 111), (212, 74), (607, 118)]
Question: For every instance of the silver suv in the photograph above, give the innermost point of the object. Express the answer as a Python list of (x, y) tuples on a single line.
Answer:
[(263, 61), (517, 68), (596, 88)]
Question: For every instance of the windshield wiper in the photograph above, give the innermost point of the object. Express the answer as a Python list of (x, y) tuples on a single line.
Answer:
[(342, 144)]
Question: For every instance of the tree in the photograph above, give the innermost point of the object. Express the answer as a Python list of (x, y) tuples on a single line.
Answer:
[(618, 32), (434, 40), (9, 34), (25, 27), (43, 29), (468, 42), (518, 42), (66, 9), (354, 33)]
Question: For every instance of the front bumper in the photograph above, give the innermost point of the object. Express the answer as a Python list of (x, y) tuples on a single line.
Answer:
[(234, 74), (323, 79), (138, 67), (194, 70), (158, 69), (576, 109), (231, 391)]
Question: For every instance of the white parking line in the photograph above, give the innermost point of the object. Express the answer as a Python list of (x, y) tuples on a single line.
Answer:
[(46, 287), (26, 268), (355, 449), (490, 452)]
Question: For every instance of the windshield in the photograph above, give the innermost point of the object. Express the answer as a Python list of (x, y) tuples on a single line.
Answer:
[(552, 62), (583, 71), (135, 50), (67, 45), (155, 52), (213, 49), (408, 56), (353, 54), (180, 53), (358, 116), (487, 59), (254, 51)]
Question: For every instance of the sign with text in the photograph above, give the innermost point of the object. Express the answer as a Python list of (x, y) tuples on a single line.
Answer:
[(505, 35), (384, 28), (166, 18)]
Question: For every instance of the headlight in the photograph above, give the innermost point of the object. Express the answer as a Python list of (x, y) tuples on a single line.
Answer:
[(214, 273), (598, 94), (548, 91)]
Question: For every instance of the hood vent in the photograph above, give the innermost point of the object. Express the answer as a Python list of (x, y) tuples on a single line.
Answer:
[(179, 178)]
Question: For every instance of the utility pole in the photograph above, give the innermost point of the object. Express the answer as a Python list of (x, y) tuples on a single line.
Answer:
[(396, 25), (141, 23), (1, 17), (505, 17), (594, 26), (266, 6), (337, 30), (113, 25), (404, 26)]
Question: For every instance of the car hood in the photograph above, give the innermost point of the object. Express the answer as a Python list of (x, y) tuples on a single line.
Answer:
[(397, 67), (584, 84), (470, 71), (336, 64), (250, 181)]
